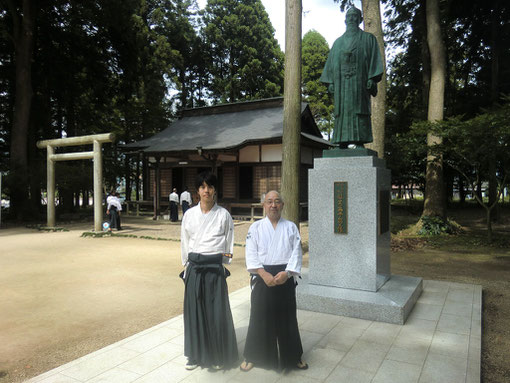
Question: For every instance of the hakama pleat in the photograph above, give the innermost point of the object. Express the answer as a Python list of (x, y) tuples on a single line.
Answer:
[(209, 335), (114, 218), (273, 339)]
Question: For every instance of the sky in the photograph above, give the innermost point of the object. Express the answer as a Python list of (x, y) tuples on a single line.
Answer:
[(322, 15)]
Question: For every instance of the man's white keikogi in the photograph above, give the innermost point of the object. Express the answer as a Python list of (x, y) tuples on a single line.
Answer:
[(173, 197), (211, 233), (268, 246), (113, 201), (186, 196)]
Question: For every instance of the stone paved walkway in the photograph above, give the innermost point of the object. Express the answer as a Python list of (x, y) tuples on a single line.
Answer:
[(440, 342)]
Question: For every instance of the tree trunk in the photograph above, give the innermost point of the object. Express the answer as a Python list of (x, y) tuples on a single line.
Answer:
[(292, 111), (462, 191), (495, 54), (127, 167), (425, 56), (23, 26), (448, 175), (373, 24), (434, 204), (137, 181), (489, 225)]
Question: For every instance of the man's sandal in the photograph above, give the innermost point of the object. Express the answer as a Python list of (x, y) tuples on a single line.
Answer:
[(246, 366), (301, 365)]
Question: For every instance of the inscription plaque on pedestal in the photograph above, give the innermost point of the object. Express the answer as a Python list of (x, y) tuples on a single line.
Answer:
[(340, 196), (384, 211)]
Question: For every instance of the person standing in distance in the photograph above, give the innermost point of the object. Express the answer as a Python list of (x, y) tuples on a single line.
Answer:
[(185, 200), (207, 242), (273, 257), (174, 204)]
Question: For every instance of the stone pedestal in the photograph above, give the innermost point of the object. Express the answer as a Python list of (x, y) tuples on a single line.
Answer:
[(349, 242)]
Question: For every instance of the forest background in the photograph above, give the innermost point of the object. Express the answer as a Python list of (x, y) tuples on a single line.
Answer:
[(70, 68)]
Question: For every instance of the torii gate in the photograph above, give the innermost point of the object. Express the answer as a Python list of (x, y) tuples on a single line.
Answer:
[(97, 140)]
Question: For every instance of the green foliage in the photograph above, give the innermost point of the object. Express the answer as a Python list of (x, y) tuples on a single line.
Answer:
[(471, 146), (406, 157), (315, 53), (435, 226), (478, 60), (245, 59)]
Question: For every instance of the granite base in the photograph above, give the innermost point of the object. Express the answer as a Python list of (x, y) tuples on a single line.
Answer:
[(392, 303)]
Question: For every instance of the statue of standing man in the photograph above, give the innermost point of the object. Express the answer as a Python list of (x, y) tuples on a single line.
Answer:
[(352, 71)]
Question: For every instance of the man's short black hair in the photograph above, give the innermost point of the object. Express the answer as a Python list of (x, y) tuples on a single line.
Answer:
[(208, 177)]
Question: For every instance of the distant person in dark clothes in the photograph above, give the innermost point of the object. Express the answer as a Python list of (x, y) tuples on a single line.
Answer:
[(174, 204), (113, 209)]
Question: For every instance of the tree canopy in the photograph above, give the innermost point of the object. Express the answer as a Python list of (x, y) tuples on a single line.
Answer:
[(315, 53), (477, 42), (245, 59), (122, 66)]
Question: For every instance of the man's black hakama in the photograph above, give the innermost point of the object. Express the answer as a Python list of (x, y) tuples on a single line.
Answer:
[(114, 218), (174, 212), (209, 335), (273, 324)]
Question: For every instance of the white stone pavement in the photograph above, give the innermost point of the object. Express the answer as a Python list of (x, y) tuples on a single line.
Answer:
[(440, 342)]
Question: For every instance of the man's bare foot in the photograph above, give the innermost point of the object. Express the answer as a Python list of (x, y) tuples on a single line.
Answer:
[(246, 366)]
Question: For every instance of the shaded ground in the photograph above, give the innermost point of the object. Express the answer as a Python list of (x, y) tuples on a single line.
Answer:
[(467, 258), (63, 296)]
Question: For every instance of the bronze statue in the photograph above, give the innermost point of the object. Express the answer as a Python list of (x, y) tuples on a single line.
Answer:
[(352, 71)]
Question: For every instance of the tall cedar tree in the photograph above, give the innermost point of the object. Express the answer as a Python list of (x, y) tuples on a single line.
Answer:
[(315, 93), (96, 66), (434, 204), (477, 74), (245, 59)]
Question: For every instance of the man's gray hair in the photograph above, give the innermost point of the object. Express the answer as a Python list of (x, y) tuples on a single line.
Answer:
[(276, 191)]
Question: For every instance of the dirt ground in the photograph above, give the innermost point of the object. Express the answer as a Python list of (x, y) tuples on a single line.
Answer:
[(63, 296)]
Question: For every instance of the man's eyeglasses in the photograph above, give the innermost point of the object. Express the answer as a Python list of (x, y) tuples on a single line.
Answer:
[(276, 201)]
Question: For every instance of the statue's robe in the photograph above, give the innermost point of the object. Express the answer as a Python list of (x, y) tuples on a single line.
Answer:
[(352, 61)]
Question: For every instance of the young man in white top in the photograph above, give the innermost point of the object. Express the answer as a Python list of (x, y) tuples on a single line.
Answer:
[(273, 257), (207, 242)]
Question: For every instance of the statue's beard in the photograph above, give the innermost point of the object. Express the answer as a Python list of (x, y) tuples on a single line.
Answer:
[(351, 27)]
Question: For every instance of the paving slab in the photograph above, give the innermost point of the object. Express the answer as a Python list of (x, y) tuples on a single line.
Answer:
[(440, 342)]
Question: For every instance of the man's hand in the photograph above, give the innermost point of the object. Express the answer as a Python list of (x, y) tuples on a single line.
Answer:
[(281, 278), (269, 280)]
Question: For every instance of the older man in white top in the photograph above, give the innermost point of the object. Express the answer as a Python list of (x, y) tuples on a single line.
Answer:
[(273, 257), (207, 241)]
